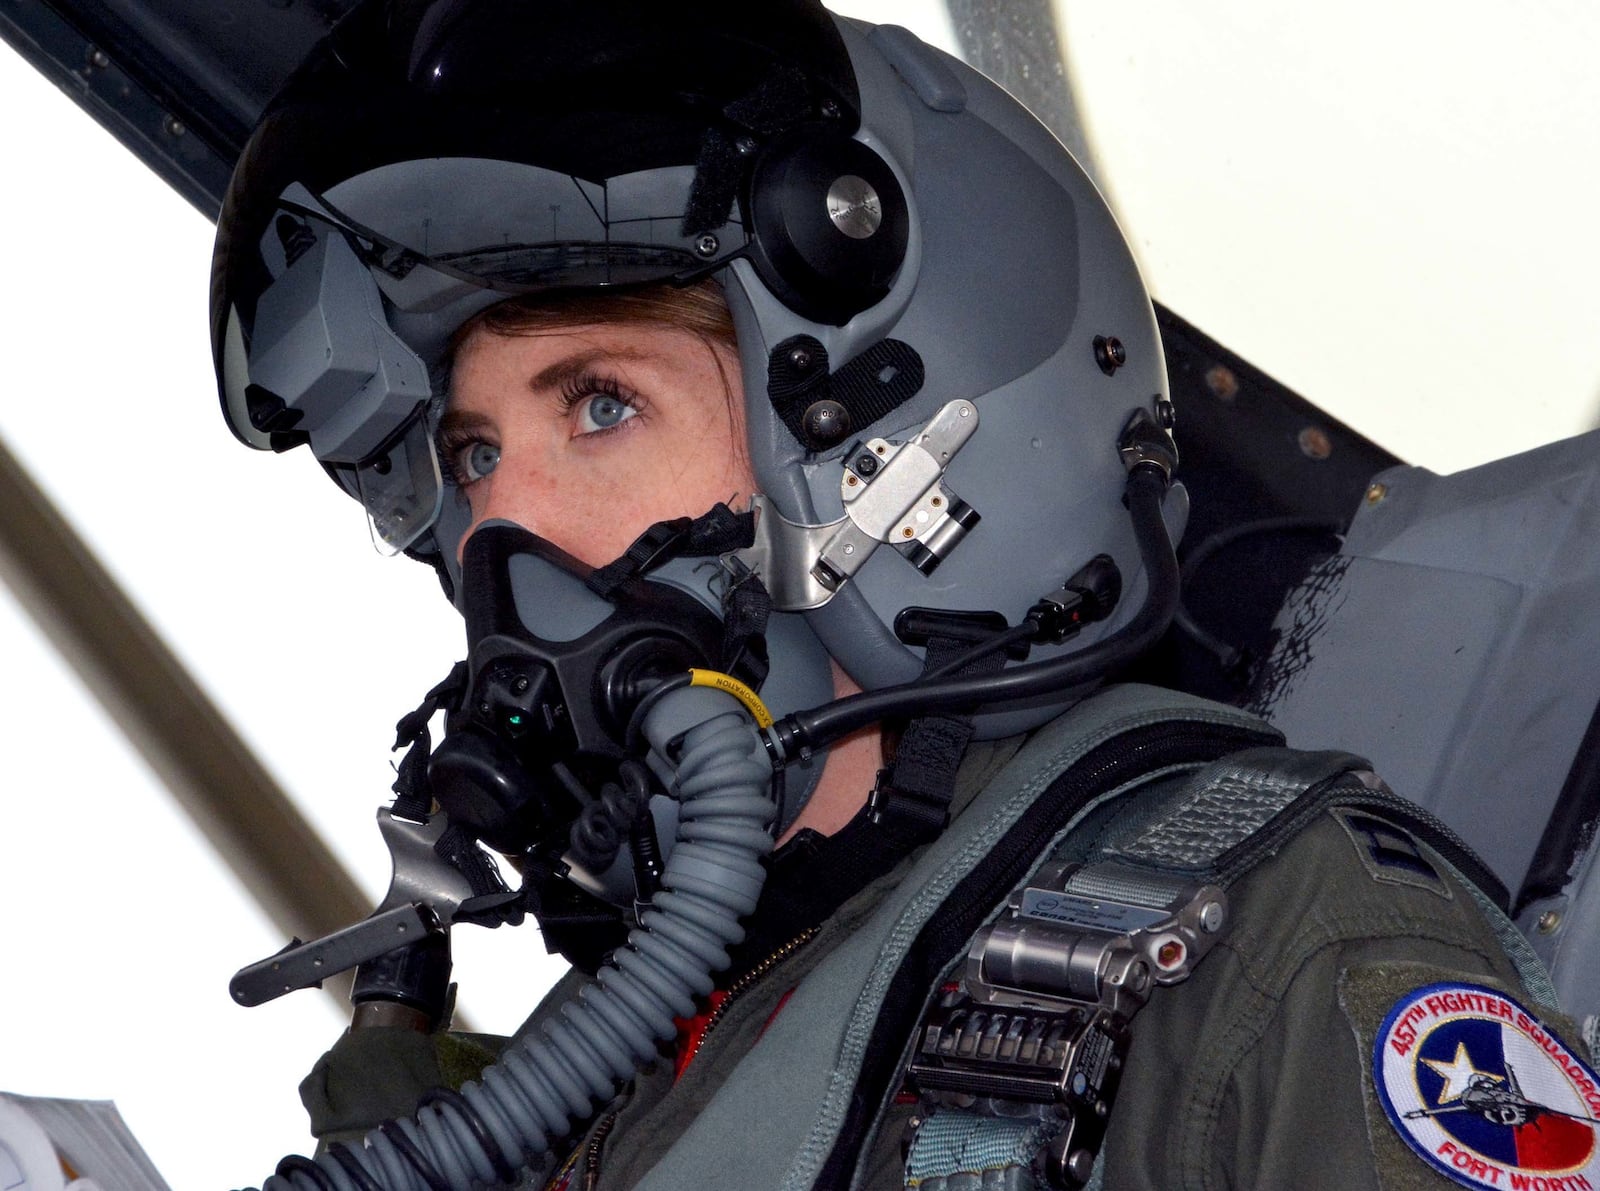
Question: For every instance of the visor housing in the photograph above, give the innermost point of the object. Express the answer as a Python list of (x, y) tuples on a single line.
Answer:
[(583, 144)]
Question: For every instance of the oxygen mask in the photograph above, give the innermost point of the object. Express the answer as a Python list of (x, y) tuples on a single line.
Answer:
[(557, 673)]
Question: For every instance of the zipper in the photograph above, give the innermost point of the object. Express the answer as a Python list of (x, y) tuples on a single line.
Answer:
[(742, 985), (591, 1153), (602, 1130)]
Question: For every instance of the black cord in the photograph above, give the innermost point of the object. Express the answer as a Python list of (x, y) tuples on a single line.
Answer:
[(351, 1165), (396, 1134), (1229, 656), (299, 1164)]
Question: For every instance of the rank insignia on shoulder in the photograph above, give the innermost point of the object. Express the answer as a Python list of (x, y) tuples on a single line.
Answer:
[(1389, 854), (1487, 1094)]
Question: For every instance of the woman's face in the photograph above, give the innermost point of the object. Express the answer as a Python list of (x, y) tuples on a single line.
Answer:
[(589, 435)]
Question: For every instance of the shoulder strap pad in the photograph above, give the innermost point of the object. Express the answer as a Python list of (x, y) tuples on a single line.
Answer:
[(1240, 810)]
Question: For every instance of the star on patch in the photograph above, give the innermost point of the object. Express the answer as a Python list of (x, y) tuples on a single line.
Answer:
[(1458, 1074)]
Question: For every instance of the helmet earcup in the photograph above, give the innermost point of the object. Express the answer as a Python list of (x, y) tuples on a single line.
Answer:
[(829, 223)]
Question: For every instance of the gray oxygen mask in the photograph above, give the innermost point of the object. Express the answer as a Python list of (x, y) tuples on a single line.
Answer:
[(544, 756), (556, 672)]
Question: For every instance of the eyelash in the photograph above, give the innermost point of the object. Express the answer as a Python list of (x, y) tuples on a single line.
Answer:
[(585, 386), (447, 447), (589, 385)]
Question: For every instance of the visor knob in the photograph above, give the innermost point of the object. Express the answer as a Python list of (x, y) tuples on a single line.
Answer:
[(826, 423), (1109, 353), (830, 223), (854, 206)]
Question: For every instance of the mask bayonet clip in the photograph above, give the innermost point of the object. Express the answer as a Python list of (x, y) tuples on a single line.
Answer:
[(893, 494)]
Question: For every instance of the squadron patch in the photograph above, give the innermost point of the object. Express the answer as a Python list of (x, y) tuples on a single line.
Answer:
[(1485, 1093)]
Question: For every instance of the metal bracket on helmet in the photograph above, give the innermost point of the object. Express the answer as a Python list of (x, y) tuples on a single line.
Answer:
[(893, 493)]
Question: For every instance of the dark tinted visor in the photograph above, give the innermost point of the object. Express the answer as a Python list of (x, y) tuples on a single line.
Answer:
[(593, 91), (513, 228)]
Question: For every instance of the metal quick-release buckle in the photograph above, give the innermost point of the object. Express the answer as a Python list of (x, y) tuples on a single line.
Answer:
[(1042, 1011)]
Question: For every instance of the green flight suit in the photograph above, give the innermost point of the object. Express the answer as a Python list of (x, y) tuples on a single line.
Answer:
[(1253, 1073)]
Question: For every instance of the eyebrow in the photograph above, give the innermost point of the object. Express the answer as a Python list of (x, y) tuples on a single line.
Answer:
[(455, 422), (580, 364), (553, 376)]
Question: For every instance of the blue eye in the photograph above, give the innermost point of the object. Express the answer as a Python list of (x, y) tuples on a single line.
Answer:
[(603, 411), (475, 461)]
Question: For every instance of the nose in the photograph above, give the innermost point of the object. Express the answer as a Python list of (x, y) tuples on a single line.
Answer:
[(531, 498), (502, 496), (510, 497)]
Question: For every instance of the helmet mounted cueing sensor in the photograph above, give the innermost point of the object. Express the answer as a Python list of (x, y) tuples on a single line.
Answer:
[(941, 331)]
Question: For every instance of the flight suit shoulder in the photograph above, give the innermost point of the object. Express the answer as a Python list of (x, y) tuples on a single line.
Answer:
[(1260, 1068)]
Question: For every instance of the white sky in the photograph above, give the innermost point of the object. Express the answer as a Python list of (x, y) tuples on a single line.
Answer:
[(1393, 215), (1388, 206)]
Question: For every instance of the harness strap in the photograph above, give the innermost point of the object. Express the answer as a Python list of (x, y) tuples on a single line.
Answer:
[(1212, 829), (746, 605), (911, 799), (715, 532), (413, 793), (745, 602), (963, 1151), (1205, 824)]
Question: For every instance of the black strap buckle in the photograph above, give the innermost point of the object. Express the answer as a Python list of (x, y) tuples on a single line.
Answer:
[(904, 812)]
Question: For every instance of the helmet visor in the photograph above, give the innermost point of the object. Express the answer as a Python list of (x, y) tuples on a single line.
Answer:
[(432, 157), (513, 228)]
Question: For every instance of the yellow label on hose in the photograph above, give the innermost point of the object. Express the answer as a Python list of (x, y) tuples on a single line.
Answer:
[(731, 685)]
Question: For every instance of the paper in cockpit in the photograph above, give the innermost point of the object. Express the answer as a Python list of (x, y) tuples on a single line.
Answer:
[(70, 1145)]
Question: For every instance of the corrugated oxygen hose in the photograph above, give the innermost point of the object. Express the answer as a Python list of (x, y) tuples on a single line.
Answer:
[(549, 1083)]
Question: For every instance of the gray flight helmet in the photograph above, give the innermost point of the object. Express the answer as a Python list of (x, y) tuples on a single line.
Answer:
[(941, 329)]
